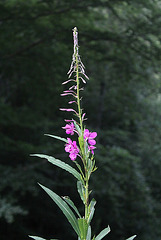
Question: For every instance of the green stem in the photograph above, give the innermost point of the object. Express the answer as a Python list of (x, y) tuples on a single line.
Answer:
[(81, 125), (82, 130), (86, 203), (78, 98)]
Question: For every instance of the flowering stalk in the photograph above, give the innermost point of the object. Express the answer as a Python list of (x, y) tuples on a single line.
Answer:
[(82, 149), (77, 62), (77, 69)]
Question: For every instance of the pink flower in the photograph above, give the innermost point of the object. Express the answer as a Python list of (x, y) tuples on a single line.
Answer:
[(68, 146), (89, 136), (69, 128), (72, 148), (91, 148)]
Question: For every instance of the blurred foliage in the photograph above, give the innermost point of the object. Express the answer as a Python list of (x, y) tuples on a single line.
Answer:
[(121, 49)]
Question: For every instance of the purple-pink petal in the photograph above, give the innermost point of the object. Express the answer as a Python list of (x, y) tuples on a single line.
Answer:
[(91, 141), (89, 136), (91, 148), (72, 148), (67, 148), (69, 128), (86, 133), (72, 156), (93, 135)]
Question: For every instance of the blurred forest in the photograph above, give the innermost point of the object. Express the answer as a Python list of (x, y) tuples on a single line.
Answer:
[(120, 45)]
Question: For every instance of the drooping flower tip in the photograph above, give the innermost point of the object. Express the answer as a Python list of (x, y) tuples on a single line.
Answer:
[(75, 37)]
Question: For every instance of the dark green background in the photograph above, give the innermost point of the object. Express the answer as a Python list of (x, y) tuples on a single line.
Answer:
[(120, 45)]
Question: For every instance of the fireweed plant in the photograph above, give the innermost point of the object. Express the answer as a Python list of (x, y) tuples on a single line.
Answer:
[(81, 153)]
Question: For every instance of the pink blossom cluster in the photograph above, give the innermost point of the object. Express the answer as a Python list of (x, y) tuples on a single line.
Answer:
[(72, 148)]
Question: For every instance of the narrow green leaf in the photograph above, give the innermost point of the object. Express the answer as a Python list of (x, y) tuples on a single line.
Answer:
[(103, 233), (86, 150), (131, 238), (80, 169), (92, 203), (80, 189), (92, 209), (89, 233), (83, 226), (60, 164), (37, 238), (72, 205), (64, 207), (81, 143), (59, 138), (91, 215)]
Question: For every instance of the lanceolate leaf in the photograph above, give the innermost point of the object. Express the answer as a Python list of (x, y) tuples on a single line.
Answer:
[(103, 233), (83, 226), (65, 209), (89, 233), (91, 215), (72, 205), (81, 142), (131, 238), (37, 238), (60, 164), (40, 238), (81, 191), (59, 138), (92, 209), (80, 169)]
